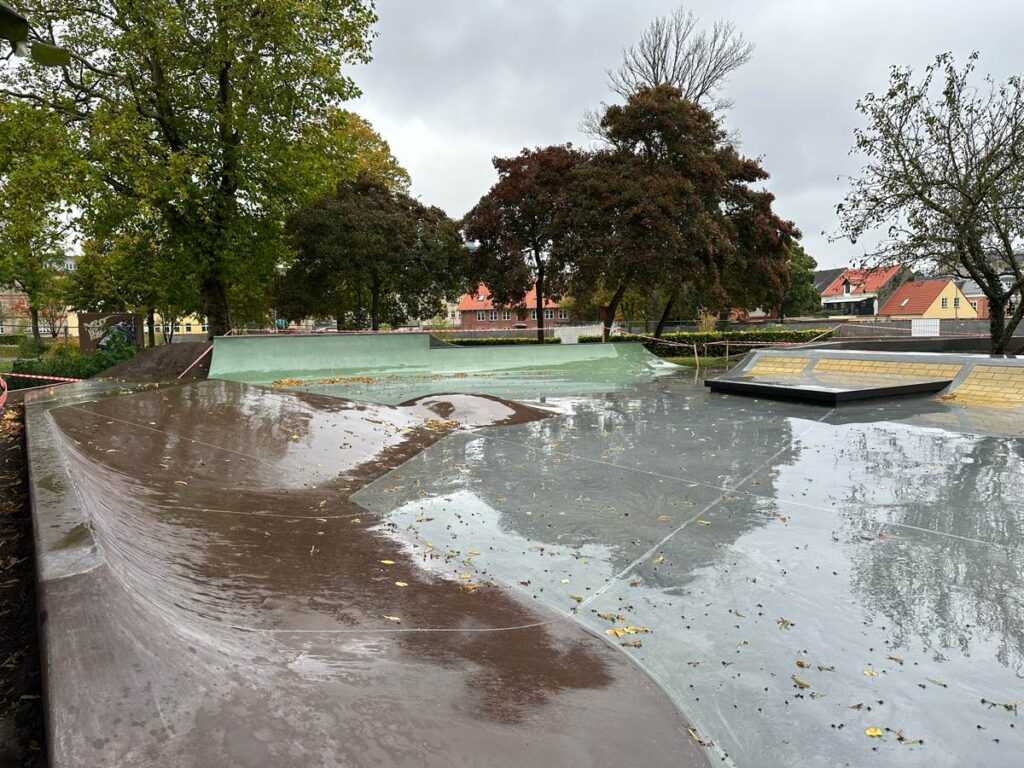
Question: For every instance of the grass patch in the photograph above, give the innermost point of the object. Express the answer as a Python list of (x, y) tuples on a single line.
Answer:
[(705, 362)]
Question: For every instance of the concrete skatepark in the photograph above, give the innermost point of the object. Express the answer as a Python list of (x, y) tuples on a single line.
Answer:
[(378, 550)]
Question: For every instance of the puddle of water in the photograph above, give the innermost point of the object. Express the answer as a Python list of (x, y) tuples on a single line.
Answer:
[(806, 574)]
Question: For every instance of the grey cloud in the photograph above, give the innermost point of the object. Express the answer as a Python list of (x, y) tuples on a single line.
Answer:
[(455, 82)]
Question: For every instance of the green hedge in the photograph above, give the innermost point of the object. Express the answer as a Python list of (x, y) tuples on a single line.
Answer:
[(68, 363), (499, 341), (701, 340)]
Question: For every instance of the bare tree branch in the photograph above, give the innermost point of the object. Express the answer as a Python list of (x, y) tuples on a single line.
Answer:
[(674, 51)]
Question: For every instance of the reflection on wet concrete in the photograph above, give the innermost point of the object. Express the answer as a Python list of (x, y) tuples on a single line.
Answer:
[(807, 574), (246, 612)]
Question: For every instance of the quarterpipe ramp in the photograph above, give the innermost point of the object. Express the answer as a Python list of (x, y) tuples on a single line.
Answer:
[(394, 367), (833, 376), (211, 597)]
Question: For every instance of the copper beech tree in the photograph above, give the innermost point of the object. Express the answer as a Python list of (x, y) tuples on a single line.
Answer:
[(513, 226), (670, 203)]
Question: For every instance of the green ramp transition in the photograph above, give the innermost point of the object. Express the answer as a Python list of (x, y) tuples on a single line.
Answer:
[(396, 367)]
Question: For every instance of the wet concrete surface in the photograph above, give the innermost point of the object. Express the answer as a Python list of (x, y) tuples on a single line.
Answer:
[(808, 575), (211, 596)]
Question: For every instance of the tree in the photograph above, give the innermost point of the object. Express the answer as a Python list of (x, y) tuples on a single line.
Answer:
[(801, 297), (673, 51), (944, 175), (513, 225), (371, 253), (669, 203), (39, 176), (205, 114)]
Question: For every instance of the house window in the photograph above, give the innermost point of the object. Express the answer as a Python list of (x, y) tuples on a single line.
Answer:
[(945, 302), (205, 327), (563, 314), (974, 304), (549, 314), (506, 315), (188, 327), (533, 314), (956, 302), (846, 287), (494, 314), (481, 315)]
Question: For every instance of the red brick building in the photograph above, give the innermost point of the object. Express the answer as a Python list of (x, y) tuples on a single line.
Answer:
[(478, 313)]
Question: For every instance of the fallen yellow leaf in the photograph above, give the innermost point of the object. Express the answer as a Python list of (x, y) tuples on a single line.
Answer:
[(395, 619), (465, 576), (870, 673), (658, 560), (401, 584), (802, 664), (874, 733), (577, 598), (388, 562), (800, 683), (703, 522)]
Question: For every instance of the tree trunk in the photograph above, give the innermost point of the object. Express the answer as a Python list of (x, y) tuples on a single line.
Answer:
[(997, 325), (214, 295), (540, 303), (35, 323), (610, 310), (664, 317), (151, 320)]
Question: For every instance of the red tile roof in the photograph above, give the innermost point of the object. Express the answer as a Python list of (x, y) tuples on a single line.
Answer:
[(482, 300), (914, 298), (862, 280)]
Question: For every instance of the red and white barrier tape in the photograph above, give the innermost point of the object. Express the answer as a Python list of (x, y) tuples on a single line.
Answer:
[(196, 361), (42, 378)]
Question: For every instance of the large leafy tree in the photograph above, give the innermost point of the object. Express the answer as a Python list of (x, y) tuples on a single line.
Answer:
[(669, 203), (513, 225), (211, 116), (944, 179), (371, 254), (801, 297), (40, 176)]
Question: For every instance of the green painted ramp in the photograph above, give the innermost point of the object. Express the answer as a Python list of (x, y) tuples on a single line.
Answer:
[(396, 367)]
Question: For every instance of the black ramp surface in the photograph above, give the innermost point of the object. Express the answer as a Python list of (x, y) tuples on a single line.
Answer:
[(213, 598)]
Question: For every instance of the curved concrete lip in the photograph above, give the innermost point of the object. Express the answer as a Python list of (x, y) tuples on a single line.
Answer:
[(211, 597)]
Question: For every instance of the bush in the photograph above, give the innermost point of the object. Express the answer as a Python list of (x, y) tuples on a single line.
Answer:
[(702, 339), (30, 346), (500, 340), (68, 362)]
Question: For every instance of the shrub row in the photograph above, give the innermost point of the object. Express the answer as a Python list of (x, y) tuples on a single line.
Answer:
[(500, 340), (776, 335), (67, 362)]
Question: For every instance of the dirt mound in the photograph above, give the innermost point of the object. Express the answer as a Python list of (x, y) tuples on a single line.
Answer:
[(163, 363)]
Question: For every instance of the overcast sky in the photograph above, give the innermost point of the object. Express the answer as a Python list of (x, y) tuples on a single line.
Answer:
[(454, 83)]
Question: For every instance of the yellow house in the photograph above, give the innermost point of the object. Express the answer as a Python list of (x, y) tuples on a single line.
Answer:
[(932, 299)]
